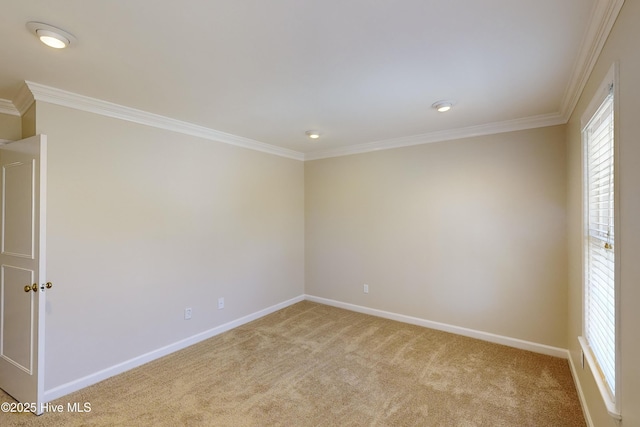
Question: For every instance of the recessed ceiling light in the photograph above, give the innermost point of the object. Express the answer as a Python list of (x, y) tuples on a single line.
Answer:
[(50, 35), (442, 106), (313, 134)]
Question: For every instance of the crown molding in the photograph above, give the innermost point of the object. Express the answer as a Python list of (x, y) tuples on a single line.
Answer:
[(7, 107), (92, 105), (603, 16), (31, 92), (23, 99), (445, 135)]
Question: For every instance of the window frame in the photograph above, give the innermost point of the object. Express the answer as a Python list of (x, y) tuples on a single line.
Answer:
[(612, 402)]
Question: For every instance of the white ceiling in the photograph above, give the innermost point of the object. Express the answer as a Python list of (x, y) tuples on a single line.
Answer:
[(359, 71)]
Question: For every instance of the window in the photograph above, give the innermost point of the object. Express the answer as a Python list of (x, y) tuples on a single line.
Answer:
[(599, 340)]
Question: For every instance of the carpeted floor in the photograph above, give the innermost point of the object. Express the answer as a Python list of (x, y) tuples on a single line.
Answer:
[(315, 365)]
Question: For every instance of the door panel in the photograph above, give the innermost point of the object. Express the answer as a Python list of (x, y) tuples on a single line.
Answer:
[(22, 264), (15, 344), (18, 221)]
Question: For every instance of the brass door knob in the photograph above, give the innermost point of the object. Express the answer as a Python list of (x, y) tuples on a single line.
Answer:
[(33, 288), (49, 285)]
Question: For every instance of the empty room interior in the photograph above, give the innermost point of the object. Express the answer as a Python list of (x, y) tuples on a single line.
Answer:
[(206, 166)]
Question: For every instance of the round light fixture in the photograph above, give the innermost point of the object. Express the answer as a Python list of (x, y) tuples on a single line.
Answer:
[(313, 134), (50, 35), (442, 106), (52, 39)]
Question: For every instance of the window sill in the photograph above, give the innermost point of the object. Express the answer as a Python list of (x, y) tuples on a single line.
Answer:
[(612, 409)]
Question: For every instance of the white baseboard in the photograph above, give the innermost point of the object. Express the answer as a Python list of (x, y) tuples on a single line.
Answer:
[(485, 336), (101, 375), (583, 400), (96, 377)]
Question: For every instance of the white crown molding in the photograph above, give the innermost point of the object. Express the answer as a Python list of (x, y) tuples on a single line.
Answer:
[(603, 16), (34, 91), (31, 92), (92, 105), (7, 107), (24, 99), (445, 135)]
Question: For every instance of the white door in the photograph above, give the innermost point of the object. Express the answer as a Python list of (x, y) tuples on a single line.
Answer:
[(22, 269)]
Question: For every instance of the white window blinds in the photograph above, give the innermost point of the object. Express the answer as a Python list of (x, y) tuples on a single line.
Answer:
[(600, 318)]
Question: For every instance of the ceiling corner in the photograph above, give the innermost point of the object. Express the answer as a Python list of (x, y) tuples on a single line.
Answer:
[(603, 16), (23, 100)]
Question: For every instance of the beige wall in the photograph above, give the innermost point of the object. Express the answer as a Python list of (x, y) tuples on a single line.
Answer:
[(29, 121), (469, 233), (10, 127), (143, 223), (622, 46)]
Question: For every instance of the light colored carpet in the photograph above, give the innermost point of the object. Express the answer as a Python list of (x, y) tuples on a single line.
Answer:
[(315, 365)]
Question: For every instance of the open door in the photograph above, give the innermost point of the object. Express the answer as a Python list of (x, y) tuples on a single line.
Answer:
[(22, 269)]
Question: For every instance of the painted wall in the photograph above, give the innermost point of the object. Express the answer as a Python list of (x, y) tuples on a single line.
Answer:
[(143, 223), (10, 127), (29, 122), (621, 46), (470, 233)]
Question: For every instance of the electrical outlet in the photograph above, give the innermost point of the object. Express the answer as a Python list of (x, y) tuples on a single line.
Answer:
[(220, 303), (187, 313), (365, 288)]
